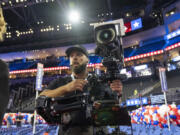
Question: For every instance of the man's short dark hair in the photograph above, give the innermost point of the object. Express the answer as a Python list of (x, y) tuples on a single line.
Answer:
[(76, 48)]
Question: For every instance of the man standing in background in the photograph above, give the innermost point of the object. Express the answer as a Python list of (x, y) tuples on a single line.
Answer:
[(19, 119), (4, 73), (4, 88)]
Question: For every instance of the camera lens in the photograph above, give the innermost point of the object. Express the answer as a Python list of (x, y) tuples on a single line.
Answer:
[(105, 36)]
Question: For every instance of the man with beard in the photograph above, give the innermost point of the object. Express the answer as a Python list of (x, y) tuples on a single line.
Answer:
[(71, 85)]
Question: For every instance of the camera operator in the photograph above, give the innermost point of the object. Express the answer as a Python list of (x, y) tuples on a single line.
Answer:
[(71, 85)]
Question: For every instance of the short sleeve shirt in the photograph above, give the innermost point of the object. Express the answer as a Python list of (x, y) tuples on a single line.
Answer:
[(99, 90)]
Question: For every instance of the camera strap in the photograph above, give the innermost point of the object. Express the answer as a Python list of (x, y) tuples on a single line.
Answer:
[(73, 78)]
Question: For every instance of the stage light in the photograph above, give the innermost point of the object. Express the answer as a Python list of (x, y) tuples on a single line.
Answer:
[(127, 14), (123, 71), (176, 59), (140, 67), (172, 12), (171, 67), (3, 3), (173, 34), (74, 16)]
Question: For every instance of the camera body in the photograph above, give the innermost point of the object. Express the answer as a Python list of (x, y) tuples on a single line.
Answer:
[(108, 38)]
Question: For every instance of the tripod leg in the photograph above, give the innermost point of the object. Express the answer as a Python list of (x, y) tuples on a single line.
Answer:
[(94, 130), (117, 130), (131, 130)]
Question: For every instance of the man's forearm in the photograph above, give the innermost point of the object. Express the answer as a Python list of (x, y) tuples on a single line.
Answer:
[(60, 91)]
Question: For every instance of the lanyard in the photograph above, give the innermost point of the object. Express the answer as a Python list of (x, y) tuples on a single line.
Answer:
[(73, 78)]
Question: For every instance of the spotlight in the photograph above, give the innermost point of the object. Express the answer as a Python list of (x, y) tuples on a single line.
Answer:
[(172, 12), (3, 3), (127, 14), (74, 16)]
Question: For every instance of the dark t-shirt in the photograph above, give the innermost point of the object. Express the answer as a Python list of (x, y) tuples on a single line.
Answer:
[(4, 88), (18, 120), (59, 82), (96, 89), (32, 120)]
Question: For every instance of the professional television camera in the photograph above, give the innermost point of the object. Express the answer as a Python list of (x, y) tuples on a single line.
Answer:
[(108, 38), (93, 106)]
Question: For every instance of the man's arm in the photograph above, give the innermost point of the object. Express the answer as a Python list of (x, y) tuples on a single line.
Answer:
[(77, 84), (60, 91)]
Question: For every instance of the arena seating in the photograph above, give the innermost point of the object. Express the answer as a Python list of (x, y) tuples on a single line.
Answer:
[(128, 52), (21, 65), (23, 90), (150, 48), (138, 129), (27, 130), (63, 61), (173, 41)]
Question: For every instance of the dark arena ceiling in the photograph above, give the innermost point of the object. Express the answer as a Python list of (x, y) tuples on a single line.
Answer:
[(35, 15)]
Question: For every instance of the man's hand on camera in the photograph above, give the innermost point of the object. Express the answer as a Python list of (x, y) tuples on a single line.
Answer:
[(77, 84), (117, 86)]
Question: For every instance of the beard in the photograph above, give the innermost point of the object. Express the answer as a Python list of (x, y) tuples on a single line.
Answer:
[(79, 69)]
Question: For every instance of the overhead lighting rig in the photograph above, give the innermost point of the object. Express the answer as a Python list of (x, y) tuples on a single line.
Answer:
[(33, 31), (6, 4)]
